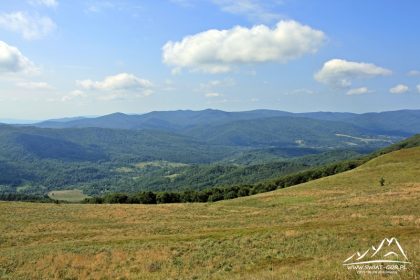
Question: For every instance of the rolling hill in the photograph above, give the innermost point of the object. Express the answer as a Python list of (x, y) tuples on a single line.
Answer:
[(302, 232)]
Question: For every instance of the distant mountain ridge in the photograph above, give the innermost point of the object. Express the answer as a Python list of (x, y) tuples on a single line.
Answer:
[(397, 123)]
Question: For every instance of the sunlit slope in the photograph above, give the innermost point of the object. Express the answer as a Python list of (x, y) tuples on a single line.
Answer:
[(301, 232)]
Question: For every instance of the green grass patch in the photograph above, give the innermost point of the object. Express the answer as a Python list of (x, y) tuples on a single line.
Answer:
[(68, 195)]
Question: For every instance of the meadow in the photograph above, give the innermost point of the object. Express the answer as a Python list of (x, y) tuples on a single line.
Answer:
[(300, 232)]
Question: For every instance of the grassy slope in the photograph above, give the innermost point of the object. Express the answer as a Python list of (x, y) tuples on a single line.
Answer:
[(301, 232)]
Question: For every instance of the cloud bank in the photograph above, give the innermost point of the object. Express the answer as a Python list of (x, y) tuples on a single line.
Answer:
[(217, 51)]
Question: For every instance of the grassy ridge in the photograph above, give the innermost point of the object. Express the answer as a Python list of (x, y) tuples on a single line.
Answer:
[(302, 232)]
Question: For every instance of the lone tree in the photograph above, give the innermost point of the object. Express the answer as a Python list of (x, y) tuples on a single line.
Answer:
[(382, 181)]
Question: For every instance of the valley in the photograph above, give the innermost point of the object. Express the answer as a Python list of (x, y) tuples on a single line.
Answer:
[(184, 150)]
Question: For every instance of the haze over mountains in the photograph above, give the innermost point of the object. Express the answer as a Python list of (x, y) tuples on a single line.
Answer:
[(403, 122)]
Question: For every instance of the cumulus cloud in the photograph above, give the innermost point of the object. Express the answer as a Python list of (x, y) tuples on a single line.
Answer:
[(358, 91), (47, 3), (341, 73), (30, 27), (399, 89), (119, 82), (35, 85), (216, 51), (13, 61), (413, 73)]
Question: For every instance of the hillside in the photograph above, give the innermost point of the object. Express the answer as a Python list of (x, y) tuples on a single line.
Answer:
[(302, 232), (287, 132), (37, 160)]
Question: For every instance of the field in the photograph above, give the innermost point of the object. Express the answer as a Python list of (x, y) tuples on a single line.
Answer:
[(301, 232), (68, 195)]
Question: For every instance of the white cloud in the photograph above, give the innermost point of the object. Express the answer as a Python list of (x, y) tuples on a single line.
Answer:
[(35, 85), (13, 61), (213, 94), (358, 91), (398, 89), (255, 10), (413, 73), (73, 95), (48, 3), (418, 88), (119, 82), (30, 27), (216, 51), (341, 73)]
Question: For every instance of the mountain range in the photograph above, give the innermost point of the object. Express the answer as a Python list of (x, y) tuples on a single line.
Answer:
[(403, 122), (186, 149)]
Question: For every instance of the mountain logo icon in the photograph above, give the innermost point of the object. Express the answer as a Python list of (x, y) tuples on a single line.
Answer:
[(388, 251)]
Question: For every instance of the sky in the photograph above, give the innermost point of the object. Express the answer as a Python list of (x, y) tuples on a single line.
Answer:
[(63, 58)]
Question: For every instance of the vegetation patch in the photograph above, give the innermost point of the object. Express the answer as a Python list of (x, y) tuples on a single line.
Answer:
[(68, 195), (160, 163)]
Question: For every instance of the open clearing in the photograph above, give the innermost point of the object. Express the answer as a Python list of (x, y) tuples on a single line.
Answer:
[(68, 195), (301, 232)]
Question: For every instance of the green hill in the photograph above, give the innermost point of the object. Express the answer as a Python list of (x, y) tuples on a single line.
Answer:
[(301, 232)]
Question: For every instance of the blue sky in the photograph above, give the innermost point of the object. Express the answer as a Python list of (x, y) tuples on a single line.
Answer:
[(67, 58)]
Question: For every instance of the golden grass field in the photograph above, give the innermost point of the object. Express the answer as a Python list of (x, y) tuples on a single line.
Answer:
[(301, 232)]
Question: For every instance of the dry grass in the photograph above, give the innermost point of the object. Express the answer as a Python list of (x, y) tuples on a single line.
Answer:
[(302, 232)]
